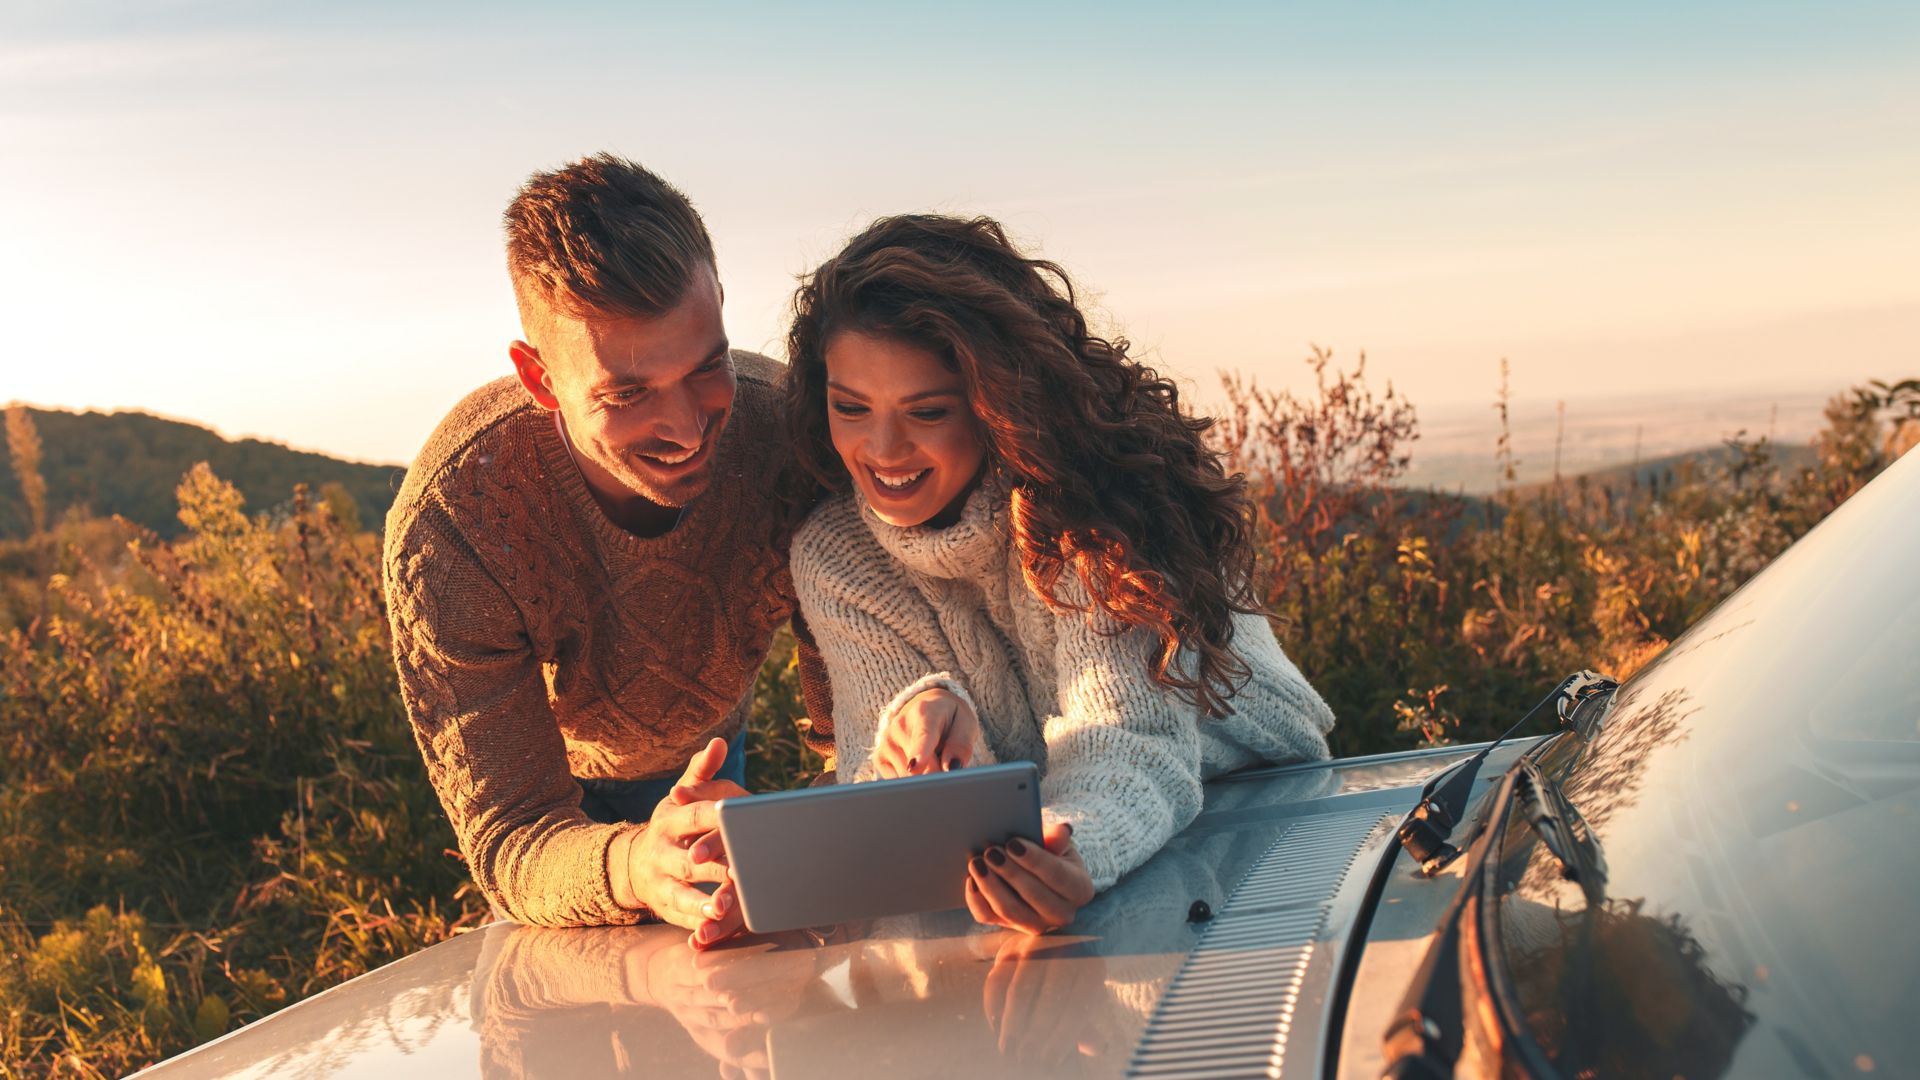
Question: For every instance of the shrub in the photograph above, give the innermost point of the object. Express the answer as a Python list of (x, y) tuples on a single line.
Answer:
[(202, 749)]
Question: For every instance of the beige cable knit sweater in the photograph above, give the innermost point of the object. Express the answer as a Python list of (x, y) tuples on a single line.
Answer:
[(896, 611)]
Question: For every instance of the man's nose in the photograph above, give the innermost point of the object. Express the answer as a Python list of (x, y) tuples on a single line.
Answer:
[(680, 419)]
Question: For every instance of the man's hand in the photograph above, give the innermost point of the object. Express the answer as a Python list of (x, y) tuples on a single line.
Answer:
[(727, 1000), (1030, 888), (680, 846), (932, 732)]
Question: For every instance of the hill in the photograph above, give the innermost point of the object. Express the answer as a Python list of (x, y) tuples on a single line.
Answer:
[(129, 463), (1664, 471), (1455, 448)]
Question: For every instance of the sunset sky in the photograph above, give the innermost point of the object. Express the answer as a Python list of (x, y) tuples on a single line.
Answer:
[(282, 220)]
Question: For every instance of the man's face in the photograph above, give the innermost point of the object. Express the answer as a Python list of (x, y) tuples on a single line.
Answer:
[(643, 400)]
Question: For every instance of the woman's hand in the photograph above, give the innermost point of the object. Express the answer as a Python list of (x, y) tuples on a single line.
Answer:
[(1036, 996), (1028, 888), (932, 732)]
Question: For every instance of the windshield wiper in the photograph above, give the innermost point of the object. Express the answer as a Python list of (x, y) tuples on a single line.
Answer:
[(1426, 830), (1562, 831)]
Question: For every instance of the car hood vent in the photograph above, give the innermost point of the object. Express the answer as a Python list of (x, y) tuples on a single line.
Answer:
[(1230, 1009)]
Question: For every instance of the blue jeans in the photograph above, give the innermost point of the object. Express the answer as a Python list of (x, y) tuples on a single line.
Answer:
[(612, 801)]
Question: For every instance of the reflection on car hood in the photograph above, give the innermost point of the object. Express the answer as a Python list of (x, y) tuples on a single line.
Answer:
[(1215, 956)]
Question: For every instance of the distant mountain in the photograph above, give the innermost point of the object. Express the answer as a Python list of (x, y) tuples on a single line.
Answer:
[(1661, 472), (129, 463), (1455, 451)]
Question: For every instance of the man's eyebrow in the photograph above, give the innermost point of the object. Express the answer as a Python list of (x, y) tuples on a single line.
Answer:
[(620, 382)]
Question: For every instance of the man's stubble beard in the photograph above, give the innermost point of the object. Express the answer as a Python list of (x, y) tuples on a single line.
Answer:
[(676, 498), (634, 476)]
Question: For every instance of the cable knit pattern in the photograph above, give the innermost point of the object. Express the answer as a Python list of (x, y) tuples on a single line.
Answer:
[(1122, 758), (536, 641)]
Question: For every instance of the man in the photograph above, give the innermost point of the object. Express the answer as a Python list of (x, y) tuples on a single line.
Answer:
[(587, 564)]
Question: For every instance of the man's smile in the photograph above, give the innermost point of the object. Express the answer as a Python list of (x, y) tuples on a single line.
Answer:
[(680, 460)]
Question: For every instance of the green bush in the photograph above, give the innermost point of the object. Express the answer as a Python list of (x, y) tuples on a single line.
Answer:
[(212, 803)]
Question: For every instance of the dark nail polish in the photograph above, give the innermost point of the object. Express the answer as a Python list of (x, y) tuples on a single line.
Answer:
[(977, 866), (1016, 847), (996, 856), (913, 763), (953, 763)]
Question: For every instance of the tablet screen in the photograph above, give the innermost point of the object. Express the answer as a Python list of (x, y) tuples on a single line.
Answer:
[(821, 856)]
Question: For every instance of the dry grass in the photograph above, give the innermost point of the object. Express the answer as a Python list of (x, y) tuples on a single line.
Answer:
[(211, 805)]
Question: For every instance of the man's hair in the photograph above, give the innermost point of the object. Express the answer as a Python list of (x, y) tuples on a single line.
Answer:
[(603, 236)]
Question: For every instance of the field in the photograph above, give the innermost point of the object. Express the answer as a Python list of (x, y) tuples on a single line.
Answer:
[(211, 805)]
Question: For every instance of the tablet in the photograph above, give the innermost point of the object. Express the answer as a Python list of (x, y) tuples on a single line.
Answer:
[(826, 855)]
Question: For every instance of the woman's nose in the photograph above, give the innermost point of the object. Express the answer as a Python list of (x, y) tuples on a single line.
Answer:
[(889, 442)]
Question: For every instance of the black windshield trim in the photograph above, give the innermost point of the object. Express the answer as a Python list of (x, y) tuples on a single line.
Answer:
[(1489, 956), (1429, 1027)]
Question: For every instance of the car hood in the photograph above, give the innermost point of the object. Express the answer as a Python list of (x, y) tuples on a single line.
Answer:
[(1217, 956)]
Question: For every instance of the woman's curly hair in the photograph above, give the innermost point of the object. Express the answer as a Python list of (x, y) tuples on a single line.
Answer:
[(1109, 477)]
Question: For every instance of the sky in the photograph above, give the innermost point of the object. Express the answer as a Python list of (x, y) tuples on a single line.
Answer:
[(282, 220)]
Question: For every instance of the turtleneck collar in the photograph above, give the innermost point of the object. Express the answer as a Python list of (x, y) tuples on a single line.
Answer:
[(973, 548)]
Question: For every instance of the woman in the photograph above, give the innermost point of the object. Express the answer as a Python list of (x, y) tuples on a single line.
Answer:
[(1032, 555)]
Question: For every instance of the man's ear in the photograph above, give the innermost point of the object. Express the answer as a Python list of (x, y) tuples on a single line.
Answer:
[(533, 374)]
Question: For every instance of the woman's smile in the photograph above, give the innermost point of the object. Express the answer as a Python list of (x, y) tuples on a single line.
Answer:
[(895, 484)]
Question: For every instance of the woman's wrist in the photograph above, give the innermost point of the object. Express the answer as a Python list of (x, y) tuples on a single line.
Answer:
[(939, 680)]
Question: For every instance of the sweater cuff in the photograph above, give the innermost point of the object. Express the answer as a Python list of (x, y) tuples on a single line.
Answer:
[(611, 913), (1106, 856), (939, 680)]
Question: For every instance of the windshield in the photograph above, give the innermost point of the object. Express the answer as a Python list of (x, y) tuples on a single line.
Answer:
[(1753, 792)]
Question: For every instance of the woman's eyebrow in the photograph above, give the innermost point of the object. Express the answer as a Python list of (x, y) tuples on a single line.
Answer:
[(925, 394), (943, 391)]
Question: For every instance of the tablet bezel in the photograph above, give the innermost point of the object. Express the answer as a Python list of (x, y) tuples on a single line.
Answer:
[(829, 855)]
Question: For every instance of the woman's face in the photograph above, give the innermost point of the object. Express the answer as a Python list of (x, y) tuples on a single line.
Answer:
[(902, 425)]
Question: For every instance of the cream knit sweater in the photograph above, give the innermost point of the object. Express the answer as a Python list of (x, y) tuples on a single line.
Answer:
[(897, 611)]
